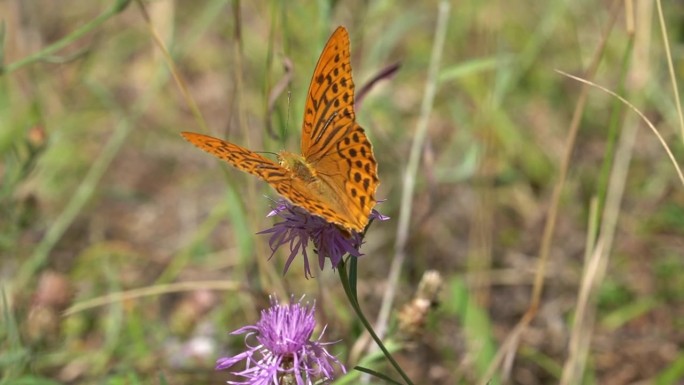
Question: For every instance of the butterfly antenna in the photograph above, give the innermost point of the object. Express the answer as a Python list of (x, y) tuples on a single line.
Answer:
[(267, 152), (289, 99)]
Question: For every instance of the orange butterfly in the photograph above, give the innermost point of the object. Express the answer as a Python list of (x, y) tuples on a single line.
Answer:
[(336, 175)]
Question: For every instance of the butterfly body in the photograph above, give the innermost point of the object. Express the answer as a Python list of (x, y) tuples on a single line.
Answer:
[(335, 177), (298, 166)]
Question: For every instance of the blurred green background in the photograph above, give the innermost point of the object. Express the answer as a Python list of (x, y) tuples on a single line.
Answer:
[(101, 198)]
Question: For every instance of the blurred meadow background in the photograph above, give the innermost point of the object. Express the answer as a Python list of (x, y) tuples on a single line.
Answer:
[(550, 209)]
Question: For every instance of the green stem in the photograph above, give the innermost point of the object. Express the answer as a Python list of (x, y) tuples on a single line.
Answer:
[(118, 6), (342, 269)]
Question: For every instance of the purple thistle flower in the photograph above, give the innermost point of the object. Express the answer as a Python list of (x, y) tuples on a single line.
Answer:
[(299, 227), (285, 349)]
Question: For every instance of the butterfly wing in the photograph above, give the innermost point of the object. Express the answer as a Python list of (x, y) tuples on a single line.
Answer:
[(332, 142), (351, 172), (330, 98), (283, 180), (240, 157)]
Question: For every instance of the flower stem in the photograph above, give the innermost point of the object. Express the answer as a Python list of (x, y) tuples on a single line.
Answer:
[(351, 295)]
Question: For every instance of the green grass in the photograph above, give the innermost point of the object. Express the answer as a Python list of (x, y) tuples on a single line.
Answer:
[(101, 197)]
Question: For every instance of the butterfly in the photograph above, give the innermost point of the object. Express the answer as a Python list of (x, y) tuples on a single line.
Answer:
[(336, 175)]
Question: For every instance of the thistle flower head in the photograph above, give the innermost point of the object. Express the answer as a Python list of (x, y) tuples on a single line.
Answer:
[(284, 349), (299, 227)]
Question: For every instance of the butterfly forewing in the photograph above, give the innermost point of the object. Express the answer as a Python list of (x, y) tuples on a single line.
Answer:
[(330, 101), (240, 157)]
